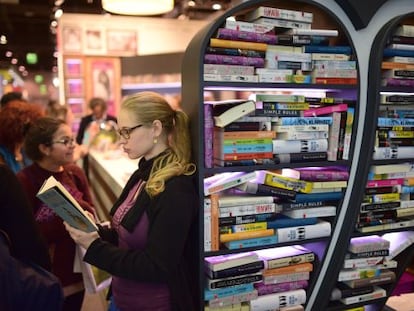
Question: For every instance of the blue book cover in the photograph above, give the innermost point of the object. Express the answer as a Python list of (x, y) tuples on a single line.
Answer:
[(333, 49), (283, 221), (304, 120), (388, 52), (247, 148), (322, 196), (386, 122), (267, 240), (227, 291)]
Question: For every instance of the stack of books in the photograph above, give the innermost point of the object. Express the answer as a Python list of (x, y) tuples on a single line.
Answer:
[(273, 45), (398, 62), (262, 280), (365, 268), (389, 198)]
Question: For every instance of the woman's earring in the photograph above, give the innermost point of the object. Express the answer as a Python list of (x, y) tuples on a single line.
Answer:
[(155, 141)]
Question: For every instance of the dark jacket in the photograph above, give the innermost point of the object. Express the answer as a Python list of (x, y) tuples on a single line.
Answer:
[(171, 254), (85, 121)]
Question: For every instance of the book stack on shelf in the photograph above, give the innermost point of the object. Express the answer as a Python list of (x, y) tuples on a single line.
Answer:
[(389, 198), (367, 265), (277, 128), (395, 127), (250, 209), (398, 62), (273, 45), (270, 279)]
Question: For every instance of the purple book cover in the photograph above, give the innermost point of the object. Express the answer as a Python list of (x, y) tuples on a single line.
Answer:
[(257, 62), (265, 289), (208, 135), (231, 34), (322, 174), (398, 82)]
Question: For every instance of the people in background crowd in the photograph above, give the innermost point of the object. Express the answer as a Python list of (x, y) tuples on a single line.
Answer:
[(57, 110), (10, 97), (151, 248), (15, 118), (98, 107), (49, 142)]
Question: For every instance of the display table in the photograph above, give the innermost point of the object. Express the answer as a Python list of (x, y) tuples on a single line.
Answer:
[(108, 173)]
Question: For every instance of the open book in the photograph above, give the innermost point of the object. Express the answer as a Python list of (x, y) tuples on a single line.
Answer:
[(55, 196)]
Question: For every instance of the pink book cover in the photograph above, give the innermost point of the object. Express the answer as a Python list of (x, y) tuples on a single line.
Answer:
[(208, 135), (257, 62), (265, 289), (230, 34), (385, 182), (325, 110)]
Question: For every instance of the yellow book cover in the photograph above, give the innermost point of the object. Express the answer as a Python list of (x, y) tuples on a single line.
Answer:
[(233, 44), (329, 184), (245, 235), (284, 182), (254, 226)]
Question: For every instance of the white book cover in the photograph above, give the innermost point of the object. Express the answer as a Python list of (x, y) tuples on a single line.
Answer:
[(234, 113), (221, 262), (399, 241), (282, 23), (247, 26), (278, 300), (220, 69), (323, 211), (353, 263), (278, 13), (391, 168), (231, 78), (224, 181), (313, 32), (318, 230), (359, 273), (401, 46), (300, 128), (330, 56), (295, 146)]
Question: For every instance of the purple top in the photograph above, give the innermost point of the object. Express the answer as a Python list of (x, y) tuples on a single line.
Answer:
[(126, 292)]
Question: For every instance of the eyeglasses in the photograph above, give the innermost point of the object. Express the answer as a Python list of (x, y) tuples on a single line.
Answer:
[(65, 141), (125, 132)]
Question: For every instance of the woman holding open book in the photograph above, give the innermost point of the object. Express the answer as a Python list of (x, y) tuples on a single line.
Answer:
[(151, 248), (49, 143)]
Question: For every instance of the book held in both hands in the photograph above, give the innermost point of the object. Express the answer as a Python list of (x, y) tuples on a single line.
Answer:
[(55, 196)]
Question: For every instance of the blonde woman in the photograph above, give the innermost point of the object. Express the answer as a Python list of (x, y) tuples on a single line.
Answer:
[(152, 247)]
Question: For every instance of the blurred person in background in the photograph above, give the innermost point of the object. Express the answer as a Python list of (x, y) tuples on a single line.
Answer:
[(49, 142), (15, 118), (9, 97)]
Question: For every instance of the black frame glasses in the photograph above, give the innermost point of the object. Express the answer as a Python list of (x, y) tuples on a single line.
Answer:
[(125, 132), (67, 141)]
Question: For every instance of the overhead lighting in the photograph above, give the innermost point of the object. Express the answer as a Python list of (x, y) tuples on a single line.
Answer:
[(138, 7)]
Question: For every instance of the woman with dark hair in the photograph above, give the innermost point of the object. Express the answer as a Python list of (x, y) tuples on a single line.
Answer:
[(50, 144), (15, 118)]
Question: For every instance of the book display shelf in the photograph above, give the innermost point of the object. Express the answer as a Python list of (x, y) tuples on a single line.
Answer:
[(283, 121)]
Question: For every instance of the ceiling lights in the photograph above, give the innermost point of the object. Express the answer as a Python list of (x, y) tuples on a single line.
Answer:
[(138, 7)]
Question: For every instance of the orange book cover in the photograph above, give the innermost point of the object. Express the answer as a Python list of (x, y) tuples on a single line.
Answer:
[(227, 237), (302, 267), (244, 45), (395, 65), (215, 245)]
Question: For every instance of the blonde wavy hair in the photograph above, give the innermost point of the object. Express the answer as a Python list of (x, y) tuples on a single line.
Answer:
[(151, 106)]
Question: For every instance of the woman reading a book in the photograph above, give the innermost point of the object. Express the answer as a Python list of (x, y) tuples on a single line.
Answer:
[(49, 143), (152, 245)]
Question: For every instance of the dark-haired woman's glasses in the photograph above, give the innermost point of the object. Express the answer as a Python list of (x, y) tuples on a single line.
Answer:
[(65, 141), (125, 132)]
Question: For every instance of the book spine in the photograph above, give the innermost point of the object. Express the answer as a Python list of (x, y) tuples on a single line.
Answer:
[(385, 182), (291, 260), (230, 78), (227, 291), (270, 112), (362, 262), (322, 196), (324, 211), (279, 181), (304, 120), (314, 32), (264, 289), (284, 278), (324, 64), (339, 293), (298, 146), (273, 57), (245, 219), (207, 225), (321, 229), (335, 49), (334, 134), (214, 230), (311, 135), (300, 128), (248, 27), (330, 56), (325, 110), (376, 294), (300, 267), (219, 69), (384, 278), (379, 206), (348, 132), (235, 52), (398, 82), (220, 283), (302, 205), (232, 300), (243, 134), (225, 150), (234, 60), (221, 43), (277, 13), (208, 135), (324, 175), (262, 225), (281, 23), (246, 156), (230, 34), (299, 157), (382, 252), (321, 80), (278, 300), (262, 241), (396, 65), (247, 210), (262, 189), (395, 152), (238, 270)]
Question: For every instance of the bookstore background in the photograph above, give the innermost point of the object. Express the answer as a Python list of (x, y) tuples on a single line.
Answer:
[(303, 131)]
